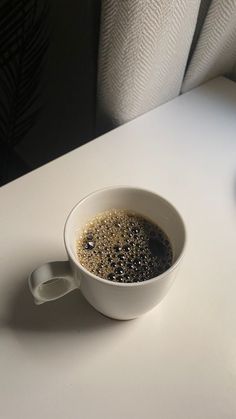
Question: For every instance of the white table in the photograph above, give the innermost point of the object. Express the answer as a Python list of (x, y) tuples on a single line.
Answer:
[(63, 360)]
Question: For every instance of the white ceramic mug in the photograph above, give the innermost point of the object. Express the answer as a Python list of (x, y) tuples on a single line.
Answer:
[(121, 301)]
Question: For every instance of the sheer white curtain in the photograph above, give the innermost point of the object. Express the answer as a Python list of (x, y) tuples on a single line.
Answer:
[(152, 50)]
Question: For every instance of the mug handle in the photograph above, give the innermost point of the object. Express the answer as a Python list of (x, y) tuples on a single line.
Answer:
[(51, 281)]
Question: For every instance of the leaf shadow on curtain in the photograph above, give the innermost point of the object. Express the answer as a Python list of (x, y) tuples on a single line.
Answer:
[(24, 40)]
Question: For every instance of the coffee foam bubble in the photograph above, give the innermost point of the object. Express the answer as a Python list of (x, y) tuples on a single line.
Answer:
[(122, 246)]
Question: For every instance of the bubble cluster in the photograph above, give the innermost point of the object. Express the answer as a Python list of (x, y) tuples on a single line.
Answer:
[(122, 246)]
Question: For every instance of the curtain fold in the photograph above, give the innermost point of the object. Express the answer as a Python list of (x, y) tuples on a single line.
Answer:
[(215, 51), (152, 50)]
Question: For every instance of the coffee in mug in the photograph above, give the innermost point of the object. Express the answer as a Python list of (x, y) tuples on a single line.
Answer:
[(123, 246)]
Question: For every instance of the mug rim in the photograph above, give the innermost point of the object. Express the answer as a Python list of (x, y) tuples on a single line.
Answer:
[(122, 284)]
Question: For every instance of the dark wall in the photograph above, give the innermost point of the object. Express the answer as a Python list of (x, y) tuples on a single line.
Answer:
[(67, 93)]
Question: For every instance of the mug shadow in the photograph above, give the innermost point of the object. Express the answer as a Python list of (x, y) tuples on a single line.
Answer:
[(72, 312)]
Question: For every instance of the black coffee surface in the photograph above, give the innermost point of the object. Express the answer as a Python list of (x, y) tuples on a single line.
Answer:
[(122, 246)]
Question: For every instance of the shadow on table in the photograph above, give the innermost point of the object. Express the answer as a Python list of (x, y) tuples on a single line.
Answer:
[(72, 312)]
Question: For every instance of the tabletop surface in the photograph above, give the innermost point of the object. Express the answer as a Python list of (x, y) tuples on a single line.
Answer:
[(64, 360)]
